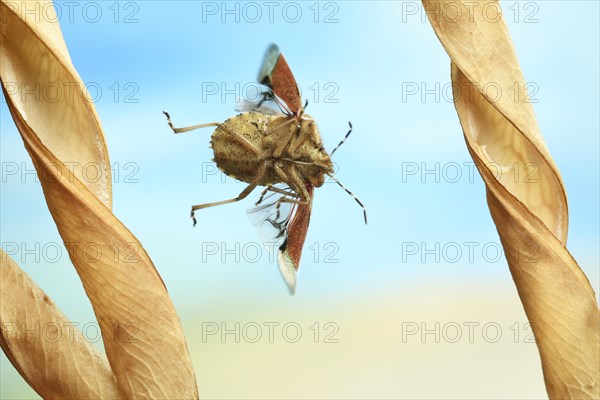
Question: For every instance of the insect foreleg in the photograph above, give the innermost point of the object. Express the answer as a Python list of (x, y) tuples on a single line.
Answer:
[(239, 197), (284, 143), (296, 144), (188, 128)]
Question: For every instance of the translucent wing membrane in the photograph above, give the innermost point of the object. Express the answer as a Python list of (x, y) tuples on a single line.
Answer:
[(271, 218), (261, 100), (282, 228)]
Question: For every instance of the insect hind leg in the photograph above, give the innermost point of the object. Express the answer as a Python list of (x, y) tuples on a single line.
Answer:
[(281, 226), (285, 192), (262, 195), (188, 128), (239, 197)]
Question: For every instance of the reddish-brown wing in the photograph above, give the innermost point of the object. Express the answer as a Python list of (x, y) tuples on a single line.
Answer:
[(291, 250), (277, 75), (283, 227), (297, 229)]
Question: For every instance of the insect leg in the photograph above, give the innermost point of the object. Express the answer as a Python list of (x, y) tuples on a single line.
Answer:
[(284, 143), (278, 213), (188, 128), (296, 183), (297, 143), (262, 195), (239, 197), (273, 189)]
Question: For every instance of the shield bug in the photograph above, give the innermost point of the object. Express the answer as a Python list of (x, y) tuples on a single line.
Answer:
[(273, 143)]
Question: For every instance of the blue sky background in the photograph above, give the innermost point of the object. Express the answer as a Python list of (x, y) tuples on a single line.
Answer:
[(167, 55)]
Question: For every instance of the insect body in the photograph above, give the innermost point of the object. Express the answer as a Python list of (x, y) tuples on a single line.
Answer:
[(274, 144), (265, 150)]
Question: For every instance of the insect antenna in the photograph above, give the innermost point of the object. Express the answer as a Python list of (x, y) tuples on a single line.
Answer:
[(351, 194), (188, 128), (343, 140)]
